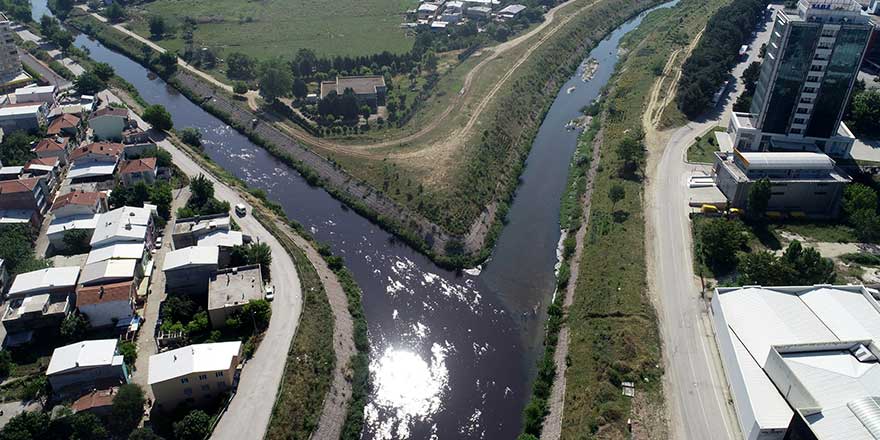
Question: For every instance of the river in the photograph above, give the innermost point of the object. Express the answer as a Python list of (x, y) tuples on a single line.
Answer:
[(452, 354)]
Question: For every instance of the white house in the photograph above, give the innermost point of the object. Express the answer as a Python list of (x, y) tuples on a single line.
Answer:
[(50, 280), (40, 94), (81, 365), (26, 117), (195, 373), (124, 225), (107, 304), (108, 123), (187, 270)]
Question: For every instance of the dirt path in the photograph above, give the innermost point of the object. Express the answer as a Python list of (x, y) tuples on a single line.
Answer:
[(556, 403)]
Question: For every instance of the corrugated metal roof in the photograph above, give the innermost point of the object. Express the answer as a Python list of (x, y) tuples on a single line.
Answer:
[(792, 160)]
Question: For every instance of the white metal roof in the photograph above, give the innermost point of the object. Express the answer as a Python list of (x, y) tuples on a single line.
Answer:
[(44, 279), (82, 354), (787, 160), (16, 170), (108, 270), (116, 251), (197, 358), (428, 7), (222, 238), (81, 170), (71, 222), (191, 257), (122, 224), (34, 90), (512, 9), (21, 110)]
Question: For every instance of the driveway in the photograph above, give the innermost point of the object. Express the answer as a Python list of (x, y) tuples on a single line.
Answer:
[(250, 410)]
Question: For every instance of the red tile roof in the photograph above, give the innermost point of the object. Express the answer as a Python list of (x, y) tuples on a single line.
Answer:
[(19, 186), (94, 399), (78, 198), (105, 293), (64, 121), (109, 111), (138, 165), (47, 145), (102, 148)]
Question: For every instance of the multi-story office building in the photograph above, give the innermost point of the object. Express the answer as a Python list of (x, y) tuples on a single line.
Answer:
[(10, 65), (808, 72)]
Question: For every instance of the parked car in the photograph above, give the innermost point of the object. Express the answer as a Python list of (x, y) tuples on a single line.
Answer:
[(270, 292), (240, 210)]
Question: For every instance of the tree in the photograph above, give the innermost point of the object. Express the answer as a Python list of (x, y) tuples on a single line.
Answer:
[(718, 242), (76, 241), (253, 253), (27, 425), (62, 8), (16, 149), (750, 77), (178, 309), (759, 268), (796, 266), (202, 190), (115, 12), (5, 364), (16, 248), (78, 426), (857, 197), (630, 151), (103, 71), (240, 66), (429, 61), (275, 81), (157, 27), (158, 117), (865, 110), (88, 84), (300, 90), (168, 60), (160, 195), (867, 225), (127, 409), (143, 434), (147, 53), (759, 198), (195, 426), (129, 352), (74, 327), (239, 87), (191, 136), (616, 193)]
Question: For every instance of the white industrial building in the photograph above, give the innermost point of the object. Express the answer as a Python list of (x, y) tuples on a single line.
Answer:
[(801, 362)]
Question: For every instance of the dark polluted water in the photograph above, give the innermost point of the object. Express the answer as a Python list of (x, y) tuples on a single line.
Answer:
[(453, 354)]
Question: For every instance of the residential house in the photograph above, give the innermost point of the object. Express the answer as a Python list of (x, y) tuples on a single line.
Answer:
[(78, 202), (52, 147), (138, 170), (369, 90), (230, 289), (107, 304), (110, 271), (36, 94), (49, 280), (23, 117), (25, 314), (61, 226), (188, 231), (427, 11), (481, 12), (98, 402), (86, 365), (188, 270), (194, 374), (11, 172), (124, 225), (66, 124), (25, 199), (225, 241), (47, 167), (108, 123), (511, 11), (94, 161)]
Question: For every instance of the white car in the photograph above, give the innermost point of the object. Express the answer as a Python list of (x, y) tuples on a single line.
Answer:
[(240, 210), (270, 293)]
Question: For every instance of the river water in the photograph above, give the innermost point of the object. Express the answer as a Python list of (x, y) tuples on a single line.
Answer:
[(452, 354)]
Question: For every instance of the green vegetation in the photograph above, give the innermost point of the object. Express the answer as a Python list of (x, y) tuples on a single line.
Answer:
[(127, 409), (17, 249), (718, 241), (74, 327), (157, 193), (759, 198), (16, 148), (194, 426), (158, 117), (796, 266), (715, 54), (192, 136), (202, 201), (572, 208), (89, 83), (614, 336), (36, 425), (704, 147), (19, 10), (750, 80), (253, 253)]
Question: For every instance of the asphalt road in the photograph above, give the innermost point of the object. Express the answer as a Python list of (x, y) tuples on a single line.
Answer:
[(699, 401), (53, 78)]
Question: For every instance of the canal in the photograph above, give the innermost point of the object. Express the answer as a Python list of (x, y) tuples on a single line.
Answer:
[(452, 354)]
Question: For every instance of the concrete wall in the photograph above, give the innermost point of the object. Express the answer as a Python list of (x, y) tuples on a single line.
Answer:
[(85, 378)]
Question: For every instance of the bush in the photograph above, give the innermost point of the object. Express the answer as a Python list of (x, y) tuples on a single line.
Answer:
[(128, 350), (158, 117), (191, 136), (239, 87), (718, 241)]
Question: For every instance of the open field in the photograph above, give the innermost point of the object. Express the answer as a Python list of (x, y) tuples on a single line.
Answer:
[(272, 28), (613, 325)]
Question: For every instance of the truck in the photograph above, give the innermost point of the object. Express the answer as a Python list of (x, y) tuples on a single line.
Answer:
[(743, 50)]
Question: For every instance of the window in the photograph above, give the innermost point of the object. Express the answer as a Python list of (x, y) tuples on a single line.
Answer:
[(816, 68), (795, 131), (806, 100), (184, 380), (203, 377), (218, 374), (812, 78), (802, 110), (809, 90), (777, 194), (798, 120)]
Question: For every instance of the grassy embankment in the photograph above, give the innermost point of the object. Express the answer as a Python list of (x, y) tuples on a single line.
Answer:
[(614, 335)]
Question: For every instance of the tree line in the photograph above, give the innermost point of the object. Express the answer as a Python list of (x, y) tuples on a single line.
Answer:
[(716, 53)]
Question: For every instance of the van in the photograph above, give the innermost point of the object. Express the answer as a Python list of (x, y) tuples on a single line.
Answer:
[(240, 210)]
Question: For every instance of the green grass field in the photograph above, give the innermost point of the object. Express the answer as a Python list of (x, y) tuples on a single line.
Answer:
[(704, 148), (270, 28)]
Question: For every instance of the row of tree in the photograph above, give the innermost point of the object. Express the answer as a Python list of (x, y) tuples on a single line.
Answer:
[(716, 53)]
